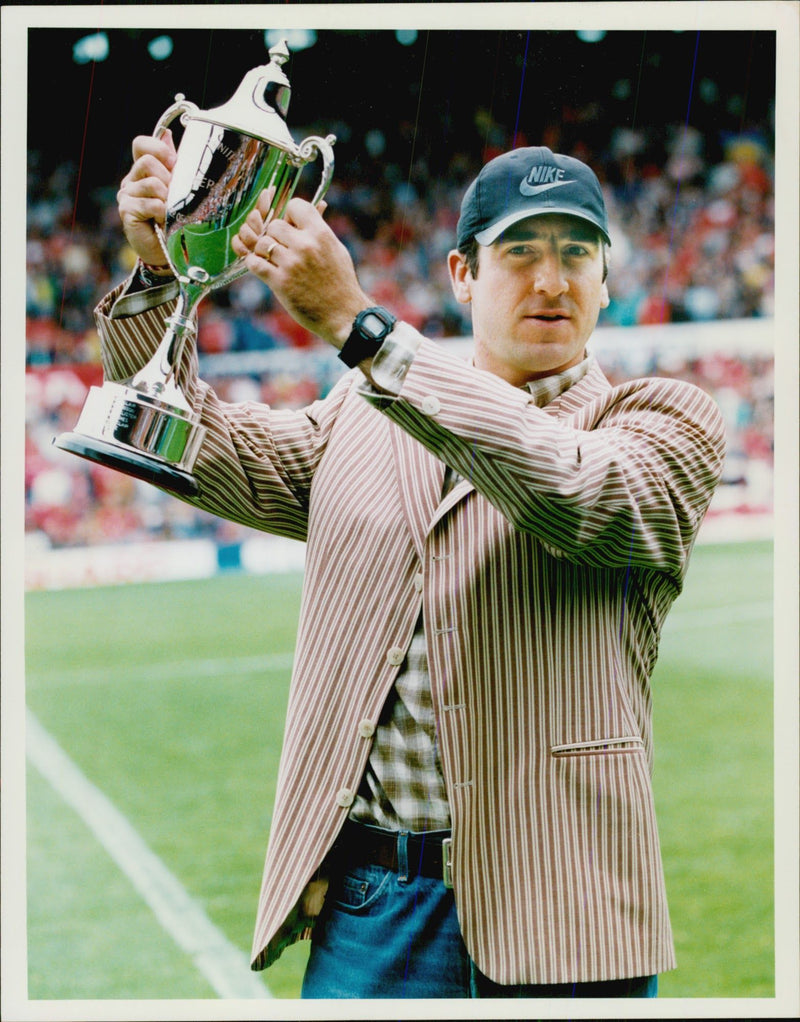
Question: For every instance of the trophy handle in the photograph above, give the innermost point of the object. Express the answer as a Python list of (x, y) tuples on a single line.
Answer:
[(307, 151), (181, 106), (158, 377)]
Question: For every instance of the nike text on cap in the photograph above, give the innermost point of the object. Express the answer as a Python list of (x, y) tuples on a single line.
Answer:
[(529, 182)]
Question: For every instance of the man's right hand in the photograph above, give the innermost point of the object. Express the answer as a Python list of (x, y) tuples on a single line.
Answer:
[(142, 197)]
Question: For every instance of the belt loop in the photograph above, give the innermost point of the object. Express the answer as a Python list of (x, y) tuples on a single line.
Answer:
[(402, 857), (447, 862)]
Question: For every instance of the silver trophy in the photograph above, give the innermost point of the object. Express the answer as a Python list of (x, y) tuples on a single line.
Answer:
[(227, 157)]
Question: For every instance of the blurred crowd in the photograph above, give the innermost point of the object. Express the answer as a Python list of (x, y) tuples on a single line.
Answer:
[(693, 241)]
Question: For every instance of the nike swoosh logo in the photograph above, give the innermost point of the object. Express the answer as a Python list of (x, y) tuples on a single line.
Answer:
[(527, 189)]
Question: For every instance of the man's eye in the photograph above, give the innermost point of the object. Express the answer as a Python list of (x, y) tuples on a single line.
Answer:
[(575, 251)]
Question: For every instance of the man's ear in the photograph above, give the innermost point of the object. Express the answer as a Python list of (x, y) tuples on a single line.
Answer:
[(460, 277)]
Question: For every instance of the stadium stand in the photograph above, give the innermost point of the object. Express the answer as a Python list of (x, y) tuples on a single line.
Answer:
[(693, 243)]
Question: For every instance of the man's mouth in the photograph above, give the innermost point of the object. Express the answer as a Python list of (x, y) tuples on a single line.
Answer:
[(549, 316)]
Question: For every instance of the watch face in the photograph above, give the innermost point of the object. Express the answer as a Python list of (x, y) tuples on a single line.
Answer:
[(373, 325), (369, 330)]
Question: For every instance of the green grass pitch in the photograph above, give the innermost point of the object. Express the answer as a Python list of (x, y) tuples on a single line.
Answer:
[(171, 698)]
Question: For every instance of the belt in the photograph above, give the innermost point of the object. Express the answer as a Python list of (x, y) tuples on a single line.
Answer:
[(427, 854)]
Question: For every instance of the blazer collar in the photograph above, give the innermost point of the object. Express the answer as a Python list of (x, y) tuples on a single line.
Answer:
[(420, 474), (593, 385), (546, 390)]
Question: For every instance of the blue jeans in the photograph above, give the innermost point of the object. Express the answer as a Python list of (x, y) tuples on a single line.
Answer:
[(385, 934)]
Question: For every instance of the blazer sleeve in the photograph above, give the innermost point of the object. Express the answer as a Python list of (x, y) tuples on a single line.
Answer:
[(256, 463), (627, 489)]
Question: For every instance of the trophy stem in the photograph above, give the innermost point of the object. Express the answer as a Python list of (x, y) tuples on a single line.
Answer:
[(159, 377)]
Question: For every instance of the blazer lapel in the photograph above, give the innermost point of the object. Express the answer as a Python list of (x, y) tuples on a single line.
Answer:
[(457, 493), (420, 475)]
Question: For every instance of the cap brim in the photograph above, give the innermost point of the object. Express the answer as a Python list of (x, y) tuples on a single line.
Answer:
[(491, 234)]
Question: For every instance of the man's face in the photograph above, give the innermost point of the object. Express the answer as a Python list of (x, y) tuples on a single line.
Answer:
[(536, 297)]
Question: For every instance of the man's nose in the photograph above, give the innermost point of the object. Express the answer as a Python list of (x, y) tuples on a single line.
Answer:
[(549, 277)]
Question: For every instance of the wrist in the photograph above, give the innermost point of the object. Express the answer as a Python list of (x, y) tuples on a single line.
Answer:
[(340, 328), (368, 330), (153, 274), (159, 269)]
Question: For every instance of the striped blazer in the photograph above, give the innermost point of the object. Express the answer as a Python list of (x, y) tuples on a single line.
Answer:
[(544, 577)]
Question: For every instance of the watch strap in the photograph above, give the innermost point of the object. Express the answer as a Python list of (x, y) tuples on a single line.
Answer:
[(362, 342)]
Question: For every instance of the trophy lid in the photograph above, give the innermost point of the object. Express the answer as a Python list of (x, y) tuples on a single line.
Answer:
[(260, 104)]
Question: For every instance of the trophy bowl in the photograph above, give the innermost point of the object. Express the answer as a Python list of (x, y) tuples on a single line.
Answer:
[(226, 159)]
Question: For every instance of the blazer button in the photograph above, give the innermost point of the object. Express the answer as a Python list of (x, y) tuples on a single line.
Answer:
[(366, 728), (345, 798), (395, 656), (431, 405)]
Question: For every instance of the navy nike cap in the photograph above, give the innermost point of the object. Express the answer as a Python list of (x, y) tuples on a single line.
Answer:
[(529, 182)]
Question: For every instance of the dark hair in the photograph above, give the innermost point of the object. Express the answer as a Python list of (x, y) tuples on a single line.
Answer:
[(470, 252)]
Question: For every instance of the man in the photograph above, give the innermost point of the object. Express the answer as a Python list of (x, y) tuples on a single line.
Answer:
[(464, 804)]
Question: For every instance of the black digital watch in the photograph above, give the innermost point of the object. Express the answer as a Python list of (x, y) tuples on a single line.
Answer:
[(370, 328)]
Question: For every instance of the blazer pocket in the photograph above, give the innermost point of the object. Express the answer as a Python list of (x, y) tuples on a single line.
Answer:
[(599, 746)]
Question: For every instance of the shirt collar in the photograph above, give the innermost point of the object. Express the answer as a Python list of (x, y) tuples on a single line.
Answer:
[(550, 387)]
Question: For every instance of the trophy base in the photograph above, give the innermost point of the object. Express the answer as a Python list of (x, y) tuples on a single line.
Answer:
[(123, 459), (143, 436)]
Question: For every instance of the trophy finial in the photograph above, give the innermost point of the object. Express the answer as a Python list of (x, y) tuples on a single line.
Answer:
[(279, 53), (260, 104)]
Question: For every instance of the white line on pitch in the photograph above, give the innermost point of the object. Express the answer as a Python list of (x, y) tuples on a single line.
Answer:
[(224, 966), (168, 670)]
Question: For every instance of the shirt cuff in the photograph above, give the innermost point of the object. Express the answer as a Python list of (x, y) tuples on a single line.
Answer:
[(135, 297), (394, 358)]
